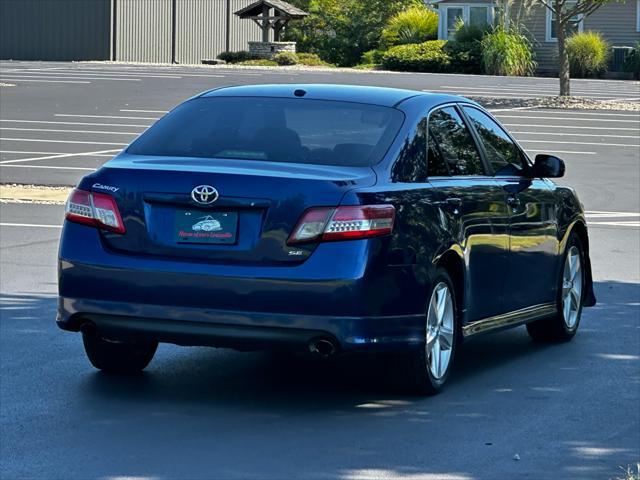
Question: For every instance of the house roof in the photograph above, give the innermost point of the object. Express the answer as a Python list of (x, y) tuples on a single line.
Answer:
[(282, 7)]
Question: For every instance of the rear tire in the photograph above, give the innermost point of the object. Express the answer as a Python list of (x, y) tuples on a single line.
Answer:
[(121, 356), (430, 365), (563, 326)]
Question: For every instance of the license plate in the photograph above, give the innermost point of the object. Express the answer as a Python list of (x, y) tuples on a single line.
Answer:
[(194, 226)]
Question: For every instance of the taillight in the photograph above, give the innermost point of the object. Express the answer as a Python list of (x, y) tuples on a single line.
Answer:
[(95, 209), (343, 223)]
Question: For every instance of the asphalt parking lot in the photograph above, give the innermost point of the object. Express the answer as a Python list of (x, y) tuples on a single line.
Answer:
[(513, 409)]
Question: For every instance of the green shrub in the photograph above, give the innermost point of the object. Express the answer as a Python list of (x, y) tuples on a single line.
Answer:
[(507, 52), (340, 31), (285, 58), (236, 57), (588, 54), (414, 25), (422, 57), (372, 57), (466, 57), (312, 60), (260, 62), (467, 33), (632, 62)]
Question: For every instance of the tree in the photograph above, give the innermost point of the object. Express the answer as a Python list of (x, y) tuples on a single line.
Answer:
[(567, 13), (340, 31)]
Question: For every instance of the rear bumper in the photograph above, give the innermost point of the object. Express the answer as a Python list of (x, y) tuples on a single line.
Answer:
[(240, 330), (345, 291)]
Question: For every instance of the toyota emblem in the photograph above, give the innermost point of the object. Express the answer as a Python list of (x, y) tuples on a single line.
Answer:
[(204, 194)]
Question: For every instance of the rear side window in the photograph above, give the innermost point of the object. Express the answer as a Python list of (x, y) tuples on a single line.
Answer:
[(502, 153), (454, 143), (274, 129)]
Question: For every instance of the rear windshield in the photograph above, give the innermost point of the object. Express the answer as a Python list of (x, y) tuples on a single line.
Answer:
[(274, 129)]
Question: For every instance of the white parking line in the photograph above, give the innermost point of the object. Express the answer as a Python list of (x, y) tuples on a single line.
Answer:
[(42, 81), (32, 153), (67, 77), (580, 127), (572, 134), (561, 151), (523, 94), (76, 123), (97, 74), (579, 143), (48, 167), (569, 118), (35, 225), (61, 155), (144, 111), (68, 131), (4, 139), (615, 224), (599, 114), (604, 213), (543, 89), (103, 116)]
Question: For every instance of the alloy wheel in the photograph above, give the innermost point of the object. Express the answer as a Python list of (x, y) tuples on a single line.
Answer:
[(440, 330), (572, 287)]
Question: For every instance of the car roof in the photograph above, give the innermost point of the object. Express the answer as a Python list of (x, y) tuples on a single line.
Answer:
[(383, 96)]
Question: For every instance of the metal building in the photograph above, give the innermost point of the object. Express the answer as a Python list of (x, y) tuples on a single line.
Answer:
[(159, 31)]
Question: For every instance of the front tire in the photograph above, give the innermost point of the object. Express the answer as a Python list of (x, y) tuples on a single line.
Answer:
[(563, 326), (431, 364), (121, 356)]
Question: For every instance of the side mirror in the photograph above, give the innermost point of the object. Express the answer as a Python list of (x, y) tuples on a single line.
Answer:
[(548, 166)]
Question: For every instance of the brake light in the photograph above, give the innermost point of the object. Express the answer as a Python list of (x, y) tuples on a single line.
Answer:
[(95, 209), (343, 223)]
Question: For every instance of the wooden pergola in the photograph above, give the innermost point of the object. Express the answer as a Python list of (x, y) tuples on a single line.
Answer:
[(261, 13)]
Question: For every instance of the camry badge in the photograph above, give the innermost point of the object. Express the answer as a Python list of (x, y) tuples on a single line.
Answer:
[(204, 194)]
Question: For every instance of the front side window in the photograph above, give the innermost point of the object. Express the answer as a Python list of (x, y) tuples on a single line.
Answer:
[(501, 152), (453, 141), (274, 129)]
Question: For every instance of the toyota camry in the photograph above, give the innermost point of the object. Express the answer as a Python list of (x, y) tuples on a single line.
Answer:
[(322, 218)]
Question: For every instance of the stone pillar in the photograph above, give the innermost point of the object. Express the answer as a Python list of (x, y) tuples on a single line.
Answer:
[(269, 49)]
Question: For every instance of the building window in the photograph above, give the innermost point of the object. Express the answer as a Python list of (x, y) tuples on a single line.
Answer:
[(575, 25), (471, 14)]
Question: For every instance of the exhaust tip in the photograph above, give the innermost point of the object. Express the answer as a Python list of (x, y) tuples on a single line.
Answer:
[(323, 347)]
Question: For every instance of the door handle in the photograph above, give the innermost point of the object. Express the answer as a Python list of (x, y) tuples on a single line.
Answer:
[(454, 202)]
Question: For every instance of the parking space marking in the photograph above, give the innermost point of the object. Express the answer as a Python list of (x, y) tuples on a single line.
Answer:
[(49, 167), (599, 114), (61, 155), (4, 139), (35, 225), (615, 224), (580, 127), (579, 143), (613, 219), (68, 131), (546, 89), (144, 111), (67, 77), (103, 116), (76, 123), (42, 81), (569, 118), (561, 151), (572, 134)]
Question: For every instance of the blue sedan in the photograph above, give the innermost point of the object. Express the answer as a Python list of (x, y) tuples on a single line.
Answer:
[(322, 218)]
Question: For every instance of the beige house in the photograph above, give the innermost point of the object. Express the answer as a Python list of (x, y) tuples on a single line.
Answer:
[(619, 23)]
